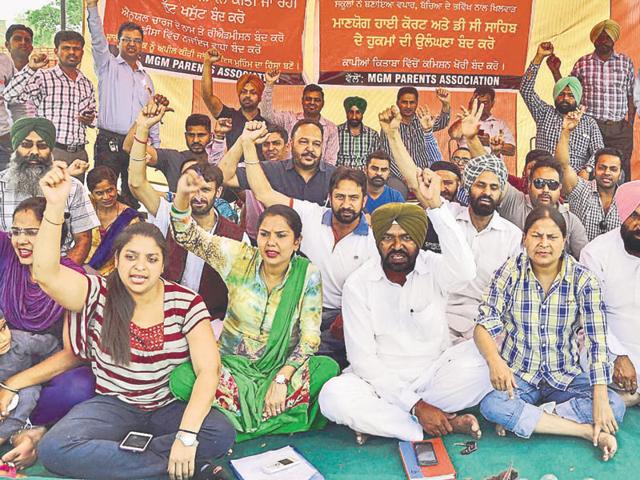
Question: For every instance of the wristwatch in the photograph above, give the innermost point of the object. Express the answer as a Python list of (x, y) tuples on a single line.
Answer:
[(281, 379), (187, 439)]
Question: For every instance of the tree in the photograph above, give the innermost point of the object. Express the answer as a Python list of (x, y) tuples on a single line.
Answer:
[(45, 21)]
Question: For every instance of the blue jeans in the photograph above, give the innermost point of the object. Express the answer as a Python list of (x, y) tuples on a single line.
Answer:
[(85, 443), (521, 414)]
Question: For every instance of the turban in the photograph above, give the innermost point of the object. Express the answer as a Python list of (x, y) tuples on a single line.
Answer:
[(627, 199), (611, 27), (451, 167), (253, 79), (359, 102), (408, 215), (23, 127), (573, 83), (478, 165)]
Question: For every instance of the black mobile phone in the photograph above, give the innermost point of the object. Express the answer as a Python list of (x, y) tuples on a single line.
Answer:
[(425, 454), (136, 442)]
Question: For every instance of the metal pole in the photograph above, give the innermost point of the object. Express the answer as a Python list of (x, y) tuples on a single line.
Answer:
[(63, 14)]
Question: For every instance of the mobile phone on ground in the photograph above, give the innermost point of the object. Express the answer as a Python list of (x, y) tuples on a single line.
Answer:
[(280, 465), (425, 454), (136, 442)]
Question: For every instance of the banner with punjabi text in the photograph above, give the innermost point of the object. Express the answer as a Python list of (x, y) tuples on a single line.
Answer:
[(252, 35), (455, 44)]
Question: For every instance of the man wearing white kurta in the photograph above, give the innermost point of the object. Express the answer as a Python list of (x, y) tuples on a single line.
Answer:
[(404, 377), (615, 258), (492, 239)]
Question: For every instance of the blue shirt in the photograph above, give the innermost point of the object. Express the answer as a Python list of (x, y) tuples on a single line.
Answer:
[(122, 91), (389, 195)]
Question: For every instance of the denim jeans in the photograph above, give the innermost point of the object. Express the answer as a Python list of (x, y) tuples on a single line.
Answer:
[(85, 443), (27, 349), (521, 414)]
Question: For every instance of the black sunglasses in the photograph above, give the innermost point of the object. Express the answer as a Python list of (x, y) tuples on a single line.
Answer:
[(539, 183)]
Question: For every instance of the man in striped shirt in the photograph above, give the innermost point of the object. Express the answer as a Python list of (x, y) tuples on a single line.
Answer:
[(357, 141), (61, 94), (413, 132)]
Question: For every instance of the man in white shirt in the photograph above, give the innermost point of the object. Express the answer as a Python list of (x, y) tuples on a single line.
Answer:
[(615, 258), (337, 240), (492, 238), (404, 377)]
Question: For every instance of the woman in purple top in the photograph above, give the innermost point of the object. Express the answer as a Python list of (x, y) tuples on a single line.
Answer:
[(34, 323)]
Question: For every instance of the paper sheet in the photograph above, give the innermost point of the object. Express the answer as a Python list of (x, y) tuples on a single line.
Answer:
[(250, 468)]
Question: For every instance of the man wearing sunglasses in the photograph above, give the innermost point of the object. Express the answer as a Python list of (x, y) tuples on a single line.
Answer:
[(545, 180), (592, 201), (124, 87)]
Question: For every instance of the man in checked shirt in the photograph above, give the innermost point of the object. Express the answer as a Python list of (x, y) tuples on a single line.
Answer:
[(61, 94), (540, 299)]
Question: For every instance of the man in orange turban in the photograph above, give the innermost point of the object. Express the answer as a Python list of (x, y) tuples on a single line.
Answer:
[(249, 88)]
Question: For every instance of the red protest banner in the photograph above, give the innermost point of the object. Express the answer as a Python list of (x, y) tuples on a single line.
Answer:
[(460, 44), (178, 32)]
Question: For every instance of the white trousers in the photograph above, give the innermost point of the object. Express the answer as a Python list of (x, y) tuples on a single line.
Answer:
[(459, 379)]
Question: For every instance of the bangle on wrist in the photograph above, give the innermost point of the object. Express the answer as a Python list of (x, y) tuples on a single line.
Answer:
[(52, 223), (141, 141), (5, 387), (180, 213), (138, 159), (187, 431), (252, 163)]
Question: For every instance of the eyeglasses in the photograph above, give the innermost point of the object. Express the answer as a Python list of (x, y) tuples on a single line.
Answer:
[(539, 183), (460, 159), (28, 232), (137, 41)]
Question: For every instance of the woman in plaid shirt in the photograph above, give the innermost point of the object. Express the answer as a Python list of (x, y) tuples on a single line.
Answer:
[(540, 300)]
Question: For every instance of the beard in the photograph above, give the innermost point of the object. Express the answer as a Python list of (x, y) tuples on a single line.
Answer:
[(377, 181), (200, 210), (482, 209), (404, 267), (631, 239), (566, 107), (346, 215), (24, 174)]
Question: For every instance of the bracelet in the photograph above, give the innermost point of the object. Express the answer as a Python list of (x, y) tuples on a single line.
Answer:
[(52, 223), (140, 141), (138, 159), (252, 163), (180, 213), (12, 390), (187, 431)]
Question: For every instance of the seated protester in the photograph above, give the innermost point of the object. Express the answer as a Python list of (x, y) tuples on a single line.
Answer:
[(135, 328), (378, 170), (404, 378), (544, 189), (337, 239), (492, 239), (271, 378), (181, 266), (33, 140), (304, 176), (197, 136), (615, 258), (540, 300), (31, 334), (522, 183), (274, 148), (114, 217), (312, 103), (591, 200)]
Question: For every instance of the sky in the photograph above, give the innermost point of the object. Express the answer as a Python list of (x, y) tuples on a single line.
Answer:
[(9, 9)]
